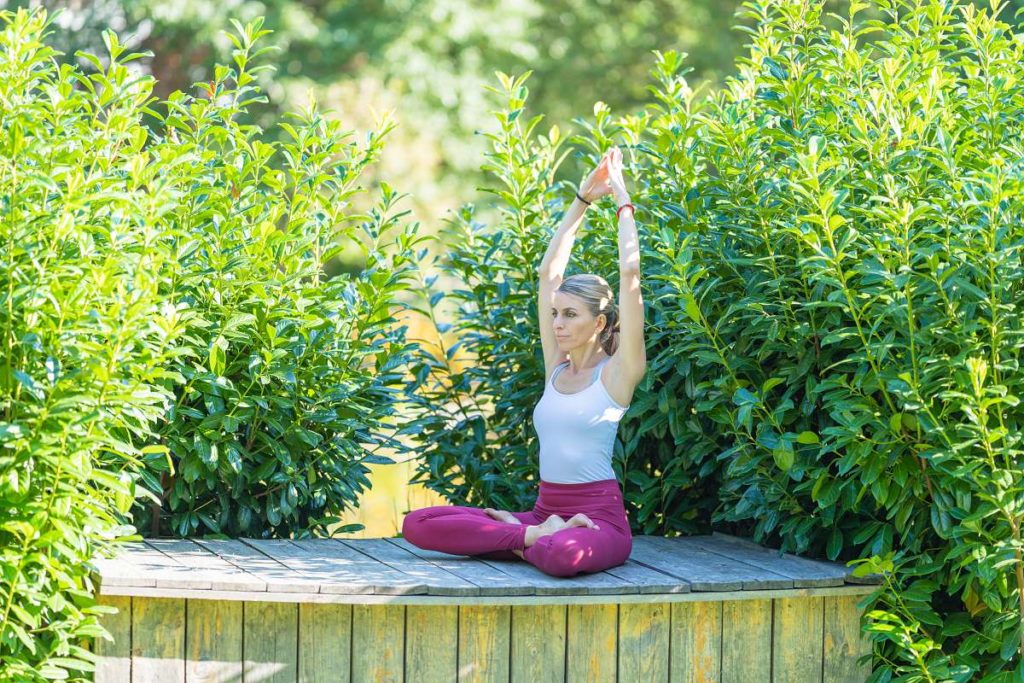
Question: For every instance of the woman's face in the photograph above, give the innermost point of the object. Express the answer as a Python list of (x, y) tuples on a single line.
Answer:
[(573, 323)]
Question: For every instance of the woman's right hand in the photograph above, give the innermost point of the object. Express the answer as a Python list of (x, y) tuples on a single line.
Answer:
[(597, 184), (502, 516)]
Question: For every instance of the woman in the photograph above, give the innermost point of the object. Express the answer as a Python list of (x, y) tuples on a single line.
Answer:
[(594, 358)]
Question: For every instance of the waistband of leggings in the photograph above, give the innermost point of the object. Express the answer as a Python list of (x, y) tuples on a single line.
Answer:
[(582, 486)]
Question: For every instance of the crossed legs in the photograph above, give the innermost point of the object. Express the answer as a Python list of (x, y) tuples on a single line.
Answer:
[(553, 545)]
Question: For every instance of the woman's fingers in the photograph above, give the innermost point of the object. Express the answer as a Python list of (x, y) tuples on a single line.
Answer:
[(581, 519)]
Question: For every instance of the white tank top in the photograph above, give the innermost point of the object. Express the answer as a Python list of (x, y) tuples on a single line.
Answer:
[(577, 431)]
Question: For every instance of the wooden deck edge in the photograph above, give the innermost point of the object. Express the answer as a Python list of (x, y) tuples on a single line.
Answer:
[(364, 599)]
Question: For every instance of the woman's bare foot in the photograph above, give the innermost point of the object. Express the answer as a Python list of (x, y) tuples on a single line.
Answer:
[(503, 516), (551, 525)]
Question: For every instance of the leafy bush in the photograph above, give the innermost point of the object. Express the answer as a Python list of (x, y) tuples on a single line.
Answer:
[(286, 375), (86, 339), (831, 265), (169, 332)]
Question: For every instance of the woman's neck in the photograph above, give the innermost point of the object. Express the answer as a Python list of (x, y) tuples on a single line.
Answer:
[(585, 359)]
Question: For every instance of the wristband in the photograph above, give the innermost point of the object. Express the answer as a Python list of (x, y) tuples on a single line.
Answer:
[(582, 199), (627, 204)]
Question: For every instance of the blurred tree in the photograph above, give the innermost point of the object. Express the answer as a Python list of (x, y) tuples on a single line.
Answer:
[(427, 61), (434, 54)]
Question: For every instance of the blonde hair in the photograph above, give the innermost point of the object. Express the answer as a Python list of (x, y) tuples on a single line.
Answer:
[(599, 298)]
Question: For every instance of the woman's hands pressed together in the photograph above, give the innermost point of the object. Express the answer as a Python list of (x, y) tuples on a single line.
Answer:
[(596, 185), (606, 179), (615, 180)]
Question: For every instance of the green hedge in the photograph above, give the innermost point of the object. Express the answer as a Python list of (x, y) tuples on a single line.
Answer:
[(832, 271), (173, 356)]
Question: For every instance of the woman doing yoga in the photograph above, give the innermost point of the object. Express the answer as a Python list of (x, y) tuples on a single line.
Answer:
[(594, 358)]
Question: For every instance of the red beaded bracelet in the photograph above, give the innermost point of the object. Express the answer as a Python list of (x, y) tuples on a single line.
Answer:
[(623, 207)]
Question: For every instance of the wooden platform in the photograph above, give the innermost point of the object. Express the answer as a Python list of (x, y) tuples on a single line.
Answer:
[(691, 609)]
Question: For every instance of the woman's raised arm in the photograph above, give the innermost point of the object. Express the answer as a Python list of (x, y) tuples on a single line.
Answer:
[(555, 260), (557, 256), (631, 351)]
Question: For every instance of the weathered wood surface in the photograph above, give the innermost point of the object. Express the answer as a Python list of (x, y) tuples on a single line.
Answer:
[(325, 632), (538, 643), (844, 644), (378, 642), (644, 642), (311, 568), (703, 608), (213, 640), (484, 643), (115, 663), (696, 642), (432, 641), (271, 650), (592, 634), (746, 641), (809, 639), (158, 640)]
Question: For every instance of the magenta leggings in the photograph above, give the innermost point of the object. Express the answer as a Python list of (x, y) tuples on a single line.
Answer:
[(462, 530)]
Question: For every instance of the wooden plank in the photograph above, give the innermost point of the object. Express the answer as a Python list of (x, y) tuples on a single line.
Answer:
[(115, 572), (703, 570), (158, 640), (493, 599), (325, 643), (538, 644), (331, 573), (271, 641), (489, 580), (431, 643), (592, 636), (213, 641), (844, 642), (804, 571), (139, 565), (644, 642), (378, 647), (436, 580), (647, 580), (205, 565), (349, 571), (277, 577), (596, 583), (115, 657), (847, 571), (746, 641), (696, 638), (796, 640), (484, 644)]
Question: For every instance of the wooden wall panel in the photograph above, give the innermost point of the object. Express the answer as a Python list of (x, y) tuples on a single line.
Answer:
[(270, 651), (325, 643), (593, 637), (796, 640), (158, 640), (643, 642), (538, 643), (115, 663), (378, 643), (746, 641), (432, 642)]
